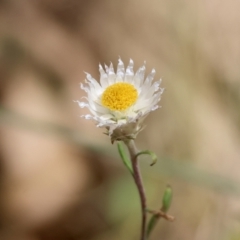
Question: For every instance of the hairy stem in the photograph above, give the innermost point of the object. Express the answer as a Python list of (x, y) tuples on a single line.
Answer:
[(138, 180)]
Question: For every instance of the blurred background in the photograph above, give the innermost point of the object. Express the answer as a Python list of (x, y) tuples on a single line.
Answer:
[(60, 177)]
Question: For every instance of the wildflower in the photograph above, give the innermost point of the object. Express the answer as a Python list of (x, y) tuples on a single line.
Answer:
[(122, 100)]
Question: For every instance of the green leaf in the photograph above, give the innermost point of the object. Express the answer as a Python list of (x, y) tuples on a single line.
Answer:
[(166, 202), (125, 159), (152, 154), (151, 224), (167, 199)]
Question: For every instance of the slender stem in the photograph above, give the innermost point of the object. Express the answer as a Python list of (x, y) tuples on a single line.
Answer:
[(138, 180)]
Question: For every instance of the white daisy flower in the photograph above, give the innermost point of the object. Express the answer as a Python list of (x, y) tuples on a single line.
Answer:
[(121, 100)]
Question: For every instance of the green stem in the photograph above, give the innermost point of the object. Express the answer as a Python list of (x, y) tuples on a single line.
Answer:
[(138, 180)]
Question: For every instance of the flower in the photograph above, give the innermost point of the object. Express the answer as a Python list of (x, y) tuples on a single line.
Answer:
[(121, 100)]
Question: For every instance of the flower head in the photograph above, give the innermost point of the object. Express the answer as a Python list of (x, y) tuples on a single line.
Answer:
[(121, 100)]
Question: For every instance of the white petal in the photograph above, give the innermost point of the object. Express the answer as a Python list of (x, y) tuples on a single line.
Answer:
[(156, 85), (87, 116), (106, 68), (148, 81), (111, 75), (85, 88), (96, 108), (82, 104), (106, 116), (139, 76), (93, 84), (151, 75), (103, 77), (154, 108), (129, 72), (120, 71)]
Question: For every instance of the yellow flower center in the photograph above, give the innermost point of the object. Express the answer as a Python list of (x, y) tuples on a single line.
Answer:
[(119, 96)]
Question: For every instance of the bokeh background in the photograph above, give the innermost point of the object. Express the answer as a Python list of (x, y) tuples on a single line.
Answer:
[(60, 177)]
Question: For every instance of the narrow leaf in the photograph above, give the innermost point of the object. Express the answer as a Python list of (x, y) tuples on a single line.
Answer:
[(166, 202), (167, 199), (152, 154), (151, 224), (124, 157)]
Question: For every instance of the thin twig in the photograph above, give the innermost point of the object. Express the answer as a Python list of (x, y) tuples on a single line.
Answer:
[(162, 214), (138, 180)]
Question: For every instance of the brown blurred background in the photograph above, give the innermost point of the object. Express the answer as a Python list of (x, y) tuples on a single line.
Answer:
[(60, 177)]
